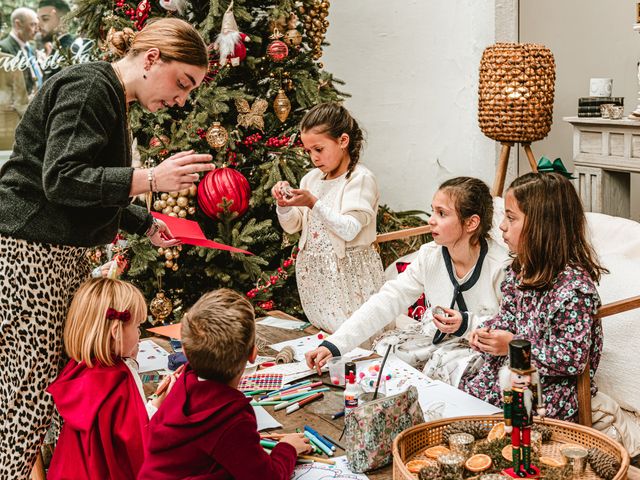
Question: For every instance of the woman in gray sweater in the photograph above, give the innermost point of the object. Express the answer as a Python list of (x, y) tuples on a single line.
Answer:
[(68, 186)]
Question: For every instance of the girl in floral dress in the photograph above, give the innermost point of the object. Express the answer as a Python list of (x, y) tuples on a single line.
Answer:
[(549, 296), (335, 208)]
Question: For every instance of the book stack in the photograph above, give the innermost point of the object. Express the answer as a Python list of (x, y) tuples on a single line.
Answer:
[(590, 106)]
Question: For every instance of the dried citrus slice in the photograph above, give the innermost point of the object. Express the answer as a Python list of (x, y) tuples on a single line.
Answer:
[(551, 462), (414, 466), (435, 452), (507, 452), (478, 463), (497, 432)]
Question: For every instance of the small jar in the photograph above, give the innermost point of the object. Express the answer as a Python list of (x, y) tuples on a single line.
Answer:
[(451, 465), (576, 458), (461, 443)]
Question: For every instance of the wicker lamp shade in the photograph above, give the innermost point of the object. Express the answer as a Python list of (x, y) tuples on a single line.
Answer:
[(516, 92)]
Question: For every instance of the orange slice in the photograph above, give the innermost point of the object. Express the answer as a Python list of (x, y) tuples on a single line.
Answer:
[(478, 463), (507, 453), (435, 452), (414, 466), (497, 432), (551, 462)]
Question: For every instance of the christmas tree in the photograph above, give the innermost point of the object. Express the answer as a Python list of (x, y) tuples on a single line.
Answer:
[(264, 74)]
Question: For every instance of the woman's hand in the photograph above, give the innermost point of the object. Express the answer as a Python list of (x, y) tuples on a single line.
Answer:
[(278, 192), (160, 235), (318, 358), (448, 323), (180, 171), (494, 342), (300, 198)]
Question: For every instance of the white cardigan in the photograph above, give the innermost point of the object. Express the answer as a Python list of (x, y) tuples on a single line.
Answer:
[(426, 274), (358, 197)]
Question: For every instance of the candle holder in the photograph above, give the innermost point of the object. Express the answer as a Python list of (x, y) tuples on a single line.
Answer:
[(461, 443), (451, 465), (576, 458)]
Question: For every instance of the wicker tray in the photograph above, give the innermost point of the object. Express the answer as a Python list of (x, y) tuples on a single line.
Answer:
[(416, 439)]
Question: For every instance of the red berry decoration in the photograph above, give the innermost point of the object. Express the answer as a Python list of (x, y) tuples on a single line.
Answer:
[(220, 184)]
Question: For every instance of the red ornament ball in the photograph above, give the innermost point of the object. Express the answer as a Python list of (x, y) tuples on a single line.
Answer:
[(223, 183), (277, 50)]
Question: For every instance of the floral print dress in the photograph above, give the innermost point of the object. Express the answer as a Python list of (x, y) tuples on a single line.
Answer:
[(560, 323)]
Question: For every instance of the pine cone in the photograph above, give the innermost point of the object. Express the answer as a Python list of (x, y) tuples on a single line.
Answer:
[(494, 450), (605, 465), (477, 429), (555, 473), (544, 430)]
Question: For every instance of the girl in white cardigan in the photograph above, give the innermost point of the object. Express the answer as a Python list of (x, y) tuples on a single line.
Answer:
[(335, 208), (461, 271)]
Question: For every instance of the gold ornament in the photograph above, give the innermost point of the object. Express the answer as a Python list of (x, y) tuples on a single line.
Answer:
[(315, 24), (293, 37), (282, 106), (160, 307), (182, 201), (251, 117), (217, 135)]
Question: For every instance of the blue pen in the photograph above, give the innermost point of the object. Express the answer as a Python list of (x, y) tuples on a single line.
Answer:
[(319, 437), (337, 415)]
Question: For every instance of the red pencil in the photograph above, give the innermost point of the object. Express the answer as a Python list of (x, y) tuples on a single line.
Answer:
[(303, 402)]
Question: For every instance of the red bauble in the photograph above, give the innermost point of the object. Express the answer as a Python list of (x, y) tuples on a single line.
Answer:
[(223, 183), (277, 50)]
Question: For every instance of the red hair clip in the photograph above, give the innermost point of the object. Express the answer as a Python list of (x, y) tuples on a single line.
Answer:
[(113, 314)]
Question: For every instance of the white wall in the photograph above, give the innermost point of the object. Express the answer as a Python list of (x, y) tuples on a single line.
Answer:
[(412, 68)]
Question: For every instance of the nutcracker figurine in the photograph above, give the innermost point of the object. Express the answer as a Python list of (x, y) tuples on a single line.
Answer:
[(521, 393)]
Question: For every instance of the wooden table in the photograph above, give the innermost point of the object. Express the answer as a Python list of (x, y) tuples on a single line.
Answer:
[(317, 414)]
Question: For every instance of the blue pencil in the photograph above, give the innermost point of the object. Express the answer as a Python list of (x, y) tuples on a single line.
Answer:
[(320, 437), (289, 387)]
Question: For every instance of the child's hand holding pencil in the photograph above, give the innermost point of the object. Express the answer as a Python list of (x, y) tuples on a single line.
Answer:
[(297, 441), (165, 387)]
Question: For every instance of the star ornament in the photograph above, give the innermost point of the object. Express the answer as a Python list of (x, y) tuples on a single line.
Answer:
[(249, 117)]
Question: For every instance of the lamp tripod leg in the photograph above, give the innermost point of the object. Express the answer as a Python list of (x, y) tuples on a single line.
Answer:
[(501, 170), (532, 160)]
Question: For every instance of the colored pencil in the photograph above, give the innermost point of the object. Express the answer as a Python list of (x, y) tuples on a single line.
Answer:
[(303, 402), (316, 459), (306, 392), (165, 385), (337, 415), (319, 437), (268, 443), (276, 392), (318, 443), (288, 403), (265, 402)]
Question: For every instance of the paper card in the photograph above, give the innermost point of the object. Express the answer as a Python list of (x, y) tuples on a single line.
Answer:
[(322, 471), (301, 345), (264, 419), (261, 381), (259, 361), (151, 356), (171, 331), (291, 371), (283, 323), (189, 232)]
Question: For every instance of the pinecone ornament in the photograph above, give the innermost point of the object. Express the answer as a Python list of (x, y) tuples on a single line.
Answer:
[(477, 429), (429, 473), (544, 430), (603, 464)]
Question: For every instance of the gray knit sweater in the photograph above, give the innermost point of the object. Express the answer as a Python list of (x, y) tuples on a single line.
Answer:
[(69, 176)]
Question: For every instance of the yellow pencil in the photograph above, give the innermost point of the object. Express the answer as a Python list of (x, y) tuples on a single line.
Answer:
[(317, 459)]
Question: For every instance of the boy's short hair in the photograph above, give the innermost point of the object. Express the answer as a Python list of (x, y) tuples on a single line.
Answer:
[(218, 334)]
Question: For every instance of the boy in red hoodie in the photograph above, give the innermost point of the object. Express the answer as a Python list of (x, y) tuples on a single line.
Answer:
[(206, 428)]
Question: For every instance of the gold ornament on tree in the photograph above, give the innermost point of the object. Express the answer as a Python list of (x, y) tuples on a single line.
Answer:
[(217, 135), (292, 36), (314, 18), (177, 204), (249, 117), (160, 307), (282, 106)]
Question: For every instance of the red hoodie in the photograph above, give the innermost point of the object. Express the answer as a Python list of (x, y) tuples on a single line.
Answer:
[(206, 430), (104, 420)]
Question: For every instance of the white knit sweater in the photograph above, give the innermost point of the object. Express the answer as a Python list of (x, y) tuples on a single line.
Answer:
[(428, 274)]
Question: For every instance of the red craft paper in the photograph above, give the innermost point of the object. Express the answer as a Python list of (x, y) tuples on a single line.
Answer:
[(171, 331), (190, 233)]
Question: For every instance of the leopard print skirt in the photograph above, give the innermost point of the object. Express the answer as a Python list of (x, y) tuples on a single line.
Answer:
[(37, 282)]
